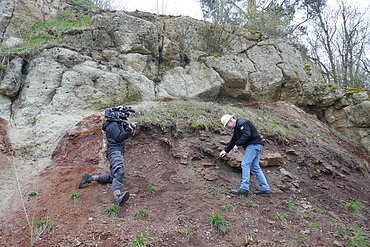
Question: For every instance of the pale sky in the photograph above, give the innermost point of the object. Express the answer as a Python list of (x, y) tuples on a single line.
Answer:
[(165, 7), (192, 7)]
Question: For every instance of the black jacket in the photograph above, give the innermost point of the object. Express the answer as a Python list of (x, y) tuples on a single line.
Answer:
[(116, 136), (244, 134)]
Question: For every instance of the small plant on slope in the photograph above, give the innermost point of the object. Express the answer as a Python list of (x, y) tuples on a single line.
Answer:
[(219, 223)]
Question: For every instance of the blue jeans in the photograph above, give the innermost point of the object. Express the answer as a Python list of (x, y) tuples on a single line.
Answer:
[(116, 171), (250, 162)]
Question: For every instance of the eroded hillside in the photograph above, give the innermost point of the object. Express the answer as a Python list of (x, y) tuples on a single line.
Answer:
[(177, 182)]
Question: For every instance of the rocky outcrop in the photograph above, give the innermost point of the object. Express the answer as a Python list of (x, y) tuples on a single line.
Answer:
[(17, 15), (130, 57)]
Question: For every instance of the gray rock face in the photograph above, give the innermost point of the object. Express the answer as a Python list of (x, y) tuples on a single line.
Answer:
[(17, 15), (134, 57), (11, 82)]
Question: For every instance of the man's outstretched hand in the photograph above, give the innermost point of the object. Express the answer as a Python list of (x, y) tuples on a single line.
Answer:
[(222, 153)]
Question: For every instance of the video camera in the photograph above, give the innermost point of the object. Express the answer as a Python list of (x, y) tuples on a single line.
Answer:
[(120, 114), (124, 111)]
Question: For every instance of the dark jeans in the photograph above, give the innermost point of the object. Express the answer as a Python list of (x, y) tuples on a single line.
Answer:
[(116, 171)]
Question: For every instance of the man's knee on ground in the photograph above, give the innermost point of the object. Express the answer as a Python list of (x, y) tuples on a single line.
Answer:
[(119, 174)]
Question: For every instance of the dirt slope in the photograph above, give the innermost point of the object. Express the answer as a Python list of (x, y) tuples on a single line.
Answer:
[(309, 206)]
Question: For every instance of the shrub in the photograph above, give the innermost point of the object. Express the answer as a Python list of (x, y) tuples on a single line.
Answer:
[(219, 223), (354, 206), (358, 239)]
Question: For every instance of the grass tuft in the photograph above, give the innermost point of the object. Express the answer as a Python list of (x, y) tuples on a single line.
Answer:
[(113, 211), (141, 240), (219, 223), (141, 213), (354, 206)]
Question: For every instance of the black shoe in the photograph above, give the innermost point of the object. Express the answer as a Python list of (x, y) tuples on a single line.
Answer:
[(122, 198), (263, 192), (239, 191), (86, 178)]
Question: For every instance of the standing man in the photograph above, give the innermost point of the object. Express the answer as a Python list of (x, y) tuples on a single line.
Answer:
[(117, 130), (246, 136)]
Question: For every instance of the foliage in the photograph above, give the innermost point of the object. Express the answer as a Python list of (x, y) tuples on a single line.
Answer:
[(151, 188), (354, 206), (47, 33), (350, 90), (206, 116), (292, 203), (227, 207), (33, 193), (283, 216), (271, 17), (314, 226), (358, 239), (219, 223), (113, 210), (75, 195), (301, 215), (188, 233), (40, 223), (143, 212), (217, 39), (2, 69), (196, 114), (140, 241)]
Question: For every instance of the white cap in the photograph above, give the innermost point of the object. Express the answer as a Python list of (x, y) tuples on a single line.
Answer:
[(226, 118)]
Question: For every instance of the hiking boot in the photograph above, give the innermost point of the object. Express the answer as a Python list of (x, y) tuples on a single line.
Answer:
[(239, 191), (121, 198), (85, 179), (263, 193)]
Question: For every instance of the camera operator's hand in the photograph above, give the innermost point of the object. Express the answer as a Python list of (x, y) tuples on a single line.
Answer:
[(133, 125)]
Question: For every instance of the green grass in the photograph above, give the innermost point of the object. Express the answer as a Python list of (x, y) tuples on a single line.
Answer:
[(205, 116), (113, 210), (33, 193), (321, 210), (283, 216), (227, 207), (2, 68), (355, 206), (292, 203), (151, 188), (75, 195), (141, 213), (301, 215), (311, 198), (219, 223), (218, 192), (41, 224), (43, 34), (267, 122), (197, 115), (303, 237), (188, 233), (358, 239), (141, 240), (314, 226), (342, 232)]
